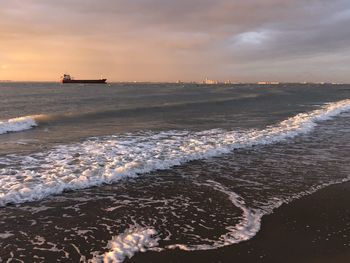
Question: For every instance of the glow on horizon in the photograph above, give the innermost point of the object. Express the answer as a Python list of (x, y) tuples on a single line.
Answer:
[(189, 40)]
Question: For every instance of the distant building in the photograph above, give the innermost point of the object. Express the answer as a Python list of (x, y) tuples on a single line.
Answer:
[(210, 82), (268, 83)]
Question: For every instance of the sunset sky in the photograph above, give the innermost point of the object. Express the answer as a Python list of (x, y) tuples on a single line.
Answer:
[(167, 40)]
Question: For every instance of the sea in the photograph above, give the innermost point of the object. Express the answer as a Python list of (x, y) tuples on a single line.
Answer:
[(98, 173)]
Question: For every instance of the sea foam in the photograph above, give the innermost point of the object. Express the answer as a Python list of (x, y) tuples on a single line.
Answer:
[(127, 244), (250, 222), (17, 124), (108, 159), (248, 226)]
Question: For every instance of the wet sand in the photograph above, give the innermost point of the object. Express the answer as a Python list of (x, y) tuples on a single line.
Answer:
[(313, 229)]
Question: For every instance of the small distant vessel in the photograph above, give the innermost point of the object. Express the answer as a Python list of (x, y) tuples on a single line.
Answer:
[(68, 79)]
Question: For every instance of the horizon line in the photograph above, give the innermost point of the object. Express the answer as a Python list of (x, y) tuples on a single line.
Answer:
[(216, 82)]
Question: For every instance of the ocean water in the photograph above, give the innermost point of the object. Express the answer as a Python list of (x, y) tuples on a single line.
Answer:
[(101, 172)]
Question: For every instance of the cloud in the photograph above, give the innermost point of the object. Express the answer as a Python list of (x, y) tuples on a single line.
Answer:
[(168, 40)]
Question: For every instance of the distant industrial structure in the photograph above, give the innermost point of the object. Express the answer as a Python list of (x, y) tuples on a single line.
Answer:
[(210, 82), (213, 82), (268, 83)]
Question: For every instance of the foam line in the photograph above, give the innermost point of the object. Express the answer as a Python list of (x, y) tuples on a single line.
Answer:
[(108, 159), (250, 222), (248, 226)]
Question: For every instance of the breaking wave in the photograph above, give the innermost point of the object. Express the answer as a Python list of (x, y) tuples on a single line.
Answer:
[(17, 124), (78, 116), (108, 159)]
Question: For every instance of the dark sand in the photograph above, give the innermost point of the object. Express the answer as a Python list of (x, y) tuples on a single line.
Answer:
[(313, 229)]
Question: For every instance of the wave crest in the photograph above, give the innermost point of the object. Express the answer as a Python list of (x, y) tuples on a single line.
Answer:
[(17, 124), (105, 160)]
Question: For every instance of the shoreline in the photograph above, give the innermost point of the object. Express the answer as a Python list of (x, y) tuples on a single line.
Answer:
[(314, 228)]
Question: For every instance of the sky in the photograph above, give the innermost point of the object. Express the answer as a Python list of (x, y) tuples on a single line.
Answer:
[(169, 40)]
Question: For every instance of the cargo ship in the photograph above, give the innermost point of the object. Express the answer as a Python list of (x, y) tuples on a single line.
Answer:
[(68, 79)]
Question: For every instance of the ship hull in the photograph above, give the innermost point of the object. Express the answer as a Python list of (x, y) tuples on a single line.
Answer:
[(90, 81)]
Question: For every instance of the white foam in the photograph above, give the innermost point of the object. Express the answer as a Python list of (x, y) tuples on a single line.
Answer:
[(133, 240), (248, 226), (109, 159), (250, 222), (5, 235), (17, 124)]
